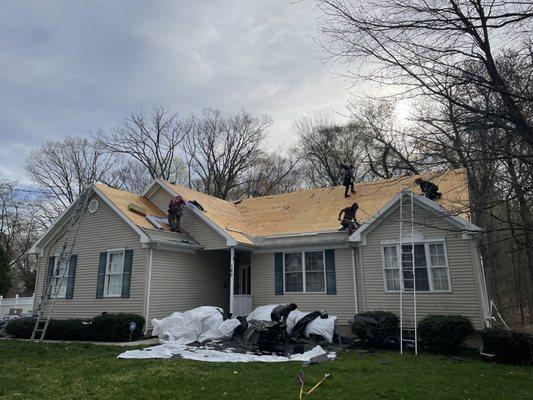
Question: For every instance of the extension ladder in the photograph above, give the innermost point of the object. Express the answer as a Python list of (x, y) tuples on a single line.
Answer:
[(408, 324), (51, 291)]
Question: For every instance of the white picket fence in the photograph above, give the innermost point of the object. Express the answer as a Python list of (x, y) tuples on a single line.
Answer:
[(7, 303)]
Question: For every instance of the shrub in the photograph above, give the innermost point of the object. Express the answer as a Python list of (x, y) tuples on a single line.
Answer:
[(444, 332), (105, 327), (508, 346), (377, 328), (20, 328), (116, 327)]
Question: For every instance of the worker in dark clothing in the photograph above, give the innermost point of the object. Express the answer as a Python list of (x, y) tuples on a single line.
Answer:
[(175, 212), (349, 221), (348, 178), (282, 311), (429, 189)]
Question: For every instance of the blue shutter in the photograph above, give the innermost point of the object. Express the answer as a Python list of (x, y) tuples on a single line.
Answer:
[(331, 280), (49, 273), (278, 273), (71, 276), (126, 276), (101, 276)]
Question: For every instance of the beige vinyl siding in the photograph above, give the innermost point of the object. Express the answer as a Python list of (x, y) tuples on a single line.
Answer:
[(464, 298), (342, 304), (181, 281), (98, 232), (191, 224)]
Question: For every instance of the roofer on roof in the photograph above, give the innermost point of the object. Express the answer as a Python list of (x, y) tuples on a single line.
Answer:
[(348, 178), (429, 189), (349, 221), (175, 212)]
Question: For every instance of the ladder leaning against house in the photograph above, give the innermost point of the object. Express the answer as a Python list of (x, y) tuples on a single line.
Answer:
[(60, 269), (408, 322)]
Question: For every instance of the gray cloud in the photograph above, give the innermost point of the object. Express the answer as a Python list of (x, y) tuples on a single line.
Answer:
[(69, 67)]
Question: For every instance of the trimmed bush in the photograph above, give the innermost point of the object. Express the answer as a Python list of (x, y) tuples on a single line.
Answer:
[(377, 328), (508, 346), (444, 333), (105, 327), (116, 327)]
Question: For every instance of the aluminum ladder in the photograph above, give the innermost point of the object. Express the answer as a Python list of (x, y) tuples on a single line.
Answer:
[(51, 291), (408, 321)]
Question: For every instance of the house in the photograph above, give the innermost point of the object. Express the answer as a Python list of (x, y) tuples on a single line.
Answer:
[(272, 249)]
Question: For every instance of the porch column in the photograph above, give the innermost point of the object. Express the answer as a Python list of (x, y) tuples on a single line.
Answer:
[(231, 280)]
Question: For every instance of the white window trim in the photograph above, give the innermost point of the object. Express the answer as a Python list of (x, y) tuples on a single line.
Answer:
[(109, 252), (303, 271), (56, 260), (429, 267)]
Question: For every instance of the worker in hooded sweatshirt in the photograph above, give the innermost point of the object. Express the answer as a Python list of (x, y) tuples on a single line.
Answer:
[(429, 189), (282, 311), (175, 212), (348, 178)]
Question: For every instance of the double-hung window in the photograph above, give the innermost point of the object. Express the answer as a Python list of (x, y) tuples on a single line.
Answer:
[(430, 262), (60, 279), (304, 271), (114, 273)]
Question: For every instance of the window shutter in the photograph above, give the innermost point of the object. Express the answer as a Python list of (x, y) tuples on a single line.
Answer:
[(278, 273), (49, 273), (101, 276), (331, 280), (71, 276), (126, 276)]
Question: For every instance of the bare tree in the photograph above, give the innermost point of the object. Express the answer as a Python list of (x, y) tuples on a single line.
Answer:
[(423, 46), (152, 140), (64, 168), (222, 150), (19, 229), (323, 145)]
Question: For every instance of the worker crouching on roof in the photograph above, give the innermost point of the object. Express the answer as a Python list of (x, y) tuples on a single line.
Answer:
[(175, 212), (282, 311), (349, 221), (429, 189)]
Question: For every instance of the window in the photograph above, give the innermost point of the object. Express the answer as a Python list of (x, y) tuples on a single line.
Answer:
[(58, 281), (113, 274), (304, 272), (439, 268), (431, 268)]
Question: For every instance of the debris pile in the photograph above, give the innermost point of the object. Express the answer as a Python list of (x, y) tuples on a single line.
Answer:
[(205, 334)]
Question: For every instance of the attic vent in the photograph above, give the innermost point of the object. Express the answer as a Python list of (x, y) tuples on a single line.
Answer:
[(93, 206), (137, 209)]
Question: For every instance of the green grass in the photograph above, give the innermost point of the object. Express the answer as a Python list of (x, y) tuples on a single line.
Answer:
[(83, 371)]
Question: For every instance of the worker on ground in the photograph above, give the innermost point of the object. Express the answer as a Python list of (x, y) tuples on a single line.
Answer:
[(429, 189), (282, 311), (348, 178), (175, 212), (349, 221)]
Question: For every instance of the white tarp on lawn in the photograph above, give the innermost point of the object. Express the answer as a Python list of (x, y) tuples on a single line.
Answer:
[(204, 353)]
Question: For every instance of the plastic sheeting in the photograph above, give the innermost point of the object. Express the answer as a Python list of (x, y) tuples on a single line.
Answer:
[(210, 355), (323, 327), (197, 325)]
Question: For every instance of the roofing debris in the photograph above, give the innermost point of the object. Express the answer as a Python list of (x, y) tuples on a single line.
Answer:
[(204, 334)]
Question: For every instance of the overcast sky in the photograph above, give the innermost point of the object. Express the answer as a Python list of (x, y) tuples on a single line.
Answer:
[(68, 68)]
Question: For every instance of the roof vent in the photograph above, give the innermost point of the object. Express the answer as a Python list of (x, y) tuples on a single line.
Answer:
[(137, 209)]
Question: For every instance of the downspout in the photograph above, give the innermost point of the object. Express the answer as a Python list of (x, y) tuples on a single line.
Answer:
[(354, 282), (147, 300), (231, 280)]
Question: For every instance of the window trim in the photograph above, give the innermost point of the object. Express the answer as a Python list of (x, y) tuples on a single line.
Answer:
[(429, 267), (106, 282), (302, 252), (56, 260)]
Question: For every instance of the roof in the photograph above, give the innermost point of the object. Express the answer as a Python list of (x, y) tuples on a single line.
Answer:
[(317, 210)]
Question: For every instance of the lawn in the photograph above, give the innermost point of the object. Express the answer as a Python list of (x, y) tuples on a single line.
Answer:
[(84, 371)]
